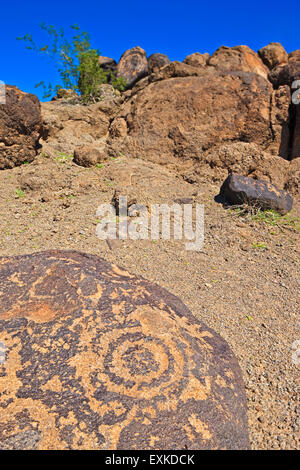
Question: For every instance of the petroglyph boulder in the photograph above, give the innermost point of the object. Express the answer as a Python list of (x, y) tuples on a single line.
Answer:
[(96, 358)]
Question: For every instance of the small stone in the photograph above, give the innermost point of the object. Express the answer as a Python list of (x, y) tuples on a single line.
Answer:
[(87, 156)]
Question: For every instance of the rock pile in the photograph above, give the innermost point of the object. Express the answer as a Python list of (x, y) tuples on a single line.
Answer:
[(173, 113)]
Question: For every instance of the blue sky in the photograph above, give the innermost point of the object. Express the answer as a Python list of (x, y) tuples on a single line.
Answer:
[(176, 28)]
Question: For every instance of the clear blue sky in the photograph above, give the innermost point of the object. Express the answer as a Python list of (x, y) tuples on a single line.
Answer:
[(176, 28)]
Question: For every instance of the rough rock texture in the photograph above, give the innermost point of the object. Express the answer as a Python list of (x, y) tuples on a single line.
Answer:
[(238, 189), (97, 358), (296, 135), (67, 95), (238, 58), (133, 65), (273, 54), (175, 69), (108, 64), (280, 122), (293, 181), (156, 61), (197, 59), (20, 128), (184, 116), (285, 74), (248, 159), (87, 156), (107, 92), (294, 56)]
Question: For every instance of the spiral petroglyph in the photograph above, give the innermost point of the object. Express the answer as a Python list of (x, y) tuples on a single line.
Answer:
[(97, 358)]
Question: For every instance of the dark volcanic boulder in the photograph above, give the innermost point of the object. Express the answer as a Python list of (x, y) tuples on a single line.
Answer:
[(156, 61), (133, 65), (97, 358), (20, 128), (238, 189)]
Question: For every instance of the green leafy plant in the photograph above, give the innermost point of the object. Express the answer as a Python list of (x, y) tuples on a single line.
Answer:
[(76, 62), (259, 246)]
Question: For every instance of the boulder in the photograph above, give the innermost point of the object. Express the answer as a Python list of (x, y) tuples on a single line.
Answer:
[(20, 128), (87, 156), (296, 134), (293, 179), (248, 159), (133, 65), (156, 61), (238, 190), (273, 54), (238, 58), (176, 69), (281, 122), (108, 64), (294, 56), (66, 127), (197, 59), (285, 74), (67, 95), (182, 117), (97, 358)]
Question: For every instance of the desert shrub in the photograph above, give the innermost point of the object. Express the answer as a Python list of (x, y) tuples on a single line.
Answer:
[(91, 75)]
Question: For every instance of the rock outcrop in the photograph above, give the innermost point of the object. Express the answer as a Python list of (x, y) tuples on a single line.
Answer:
[(133, 65), (285, 74), (20, 128), (156, 61), (247, 159), (97, 358), (239, 190)]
